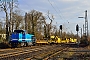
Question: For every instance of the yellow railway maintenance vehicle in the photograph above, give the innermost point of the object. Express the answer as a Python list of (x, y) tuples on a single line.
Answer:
[(41, 42), (56, 40), (73, 40)]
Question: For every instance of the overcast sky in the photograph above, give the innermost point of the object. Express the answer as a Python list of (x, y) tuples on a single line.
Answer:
[(66, 12)]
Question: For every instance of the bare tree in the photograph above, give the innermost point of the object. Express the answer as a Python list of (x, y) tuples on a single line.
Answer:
[(17, 20), (48, 27), (35, 22), (4, 7), (7, 6)]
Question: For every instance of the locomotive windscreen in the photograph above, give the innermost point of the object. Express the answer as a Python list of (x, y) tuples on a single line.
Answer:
[(18, 31)]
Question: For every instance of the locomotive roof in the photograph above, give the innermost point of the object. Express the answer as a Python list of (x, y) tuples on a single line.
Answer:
[(18, 31)]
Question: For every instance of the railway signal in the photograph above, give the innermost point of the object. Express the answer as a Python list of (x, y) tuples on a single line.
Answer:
[(61, 31), (61, 27), (77, 27)]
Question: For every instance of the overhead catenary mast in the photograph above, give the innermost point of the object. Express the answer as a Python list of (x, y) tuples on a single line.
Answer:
[(86, 24), (85, 27)]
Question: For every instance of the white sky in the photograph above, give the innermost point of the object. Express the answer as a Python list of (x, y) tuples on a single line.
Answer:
[(66, 12)]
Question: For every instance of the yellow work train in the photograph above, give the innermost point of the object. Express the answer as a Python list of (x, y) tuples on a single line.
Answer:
[(56, 39)]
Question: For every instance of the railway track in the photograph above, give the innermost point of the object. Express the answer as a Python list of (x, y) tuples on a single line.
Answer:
[(73, 54), (46, 52), (2, 51), (54, 54), (6, 53), (24, 53)]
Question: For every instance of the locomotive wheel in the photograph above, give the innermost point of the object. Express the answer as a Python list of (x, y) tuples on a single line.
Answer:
[(24, 44), (34, 44), (13, 45), (19, 45)]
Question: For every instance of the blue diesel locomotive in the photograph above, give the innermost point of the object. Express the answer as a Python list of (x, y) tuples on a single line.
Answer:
[(20, 38)]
